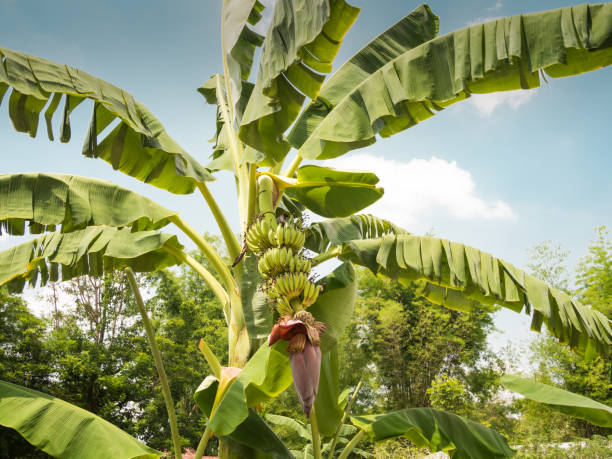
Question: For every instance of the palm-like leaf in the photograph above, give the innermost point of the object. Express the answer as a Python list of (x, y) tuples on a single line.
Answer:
[(437, 431), (239, 43), (138, 146), (64, 430), (419, 26), (46, 201), (221, 156), (459, 277), (93, 250), (253, 435), (331, 192), (335, 231), (560, 400), (500, 55), (300, 45)]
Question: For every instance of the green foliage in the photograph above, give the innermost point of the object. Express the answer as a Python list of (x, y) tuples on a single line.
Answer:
[(392, 93), (139, 146), (401, 345), (594, 273), (410, 342), (64, 430), (437, 431), (24, 359), (93, 250), (47, 201), (449, 394), (567, 402), (555, 364)]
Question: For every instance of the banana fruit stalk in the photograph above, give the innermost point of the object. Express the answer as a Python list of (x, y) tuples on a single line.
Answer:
[(287, 282)]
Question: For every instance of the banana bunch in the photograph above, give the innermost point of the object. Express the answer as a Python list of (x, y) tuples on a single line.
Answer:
[(257, 237), (285, 270), (279, 260), (287, 235)]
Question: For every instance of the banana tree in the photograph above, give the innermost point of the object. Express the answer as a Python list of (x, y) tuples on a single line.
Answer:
[(283, 325)]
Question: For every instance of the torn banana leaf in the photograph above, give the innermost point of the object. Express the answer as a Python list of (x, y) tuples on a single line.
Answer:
[(93, 251), (461, 277), (138, 145), (300, 45), (500, 55), (47, 201)]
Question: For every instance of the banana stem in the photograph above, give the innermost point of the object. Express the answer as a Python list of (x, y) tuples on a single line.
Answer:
[(233, 247), (209, 252), (351, 444), (316, 440), (237, 152), (252, 193), (347, 410), (214, 285), (293, 166), (203, 443), (331, 253), (159, 364)]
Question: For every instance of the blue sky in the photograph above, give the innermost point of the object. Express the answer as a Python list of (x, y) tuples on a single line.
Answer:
[(500, 172)]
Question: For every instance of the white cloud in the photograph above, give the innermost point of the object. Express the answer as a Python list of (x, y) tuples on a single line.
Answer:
[(487, 103), (498, 6), (419, 189)]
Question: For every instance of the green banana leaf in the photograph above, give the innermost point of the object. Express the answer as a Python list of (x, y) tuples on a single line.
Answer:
[(266, 375), (438, 431), (239, 42), (335, 231), (292, 424), (257, 310), (221, 156), (93, 250), (302, 429), (253, 433), (328, 413), (63, 430), (331, 192), (335, 304), (138, 146), (561, 400), (300, 45), (460, 277), (419, 26), (46, 201), (500, 55)]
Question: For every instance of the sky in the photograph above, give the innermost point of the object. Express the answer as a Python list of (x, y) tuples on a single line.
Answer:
[(500, 172)]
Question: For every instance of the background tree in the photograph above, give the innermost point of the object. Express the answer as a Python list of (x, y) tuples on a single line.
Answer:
[(403, 342), (24, 356), (552, 362)]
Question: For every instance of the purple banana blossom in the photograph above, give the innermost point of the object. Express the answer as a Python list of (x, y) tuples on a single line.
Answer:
[(306, 368), (305, 359)]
